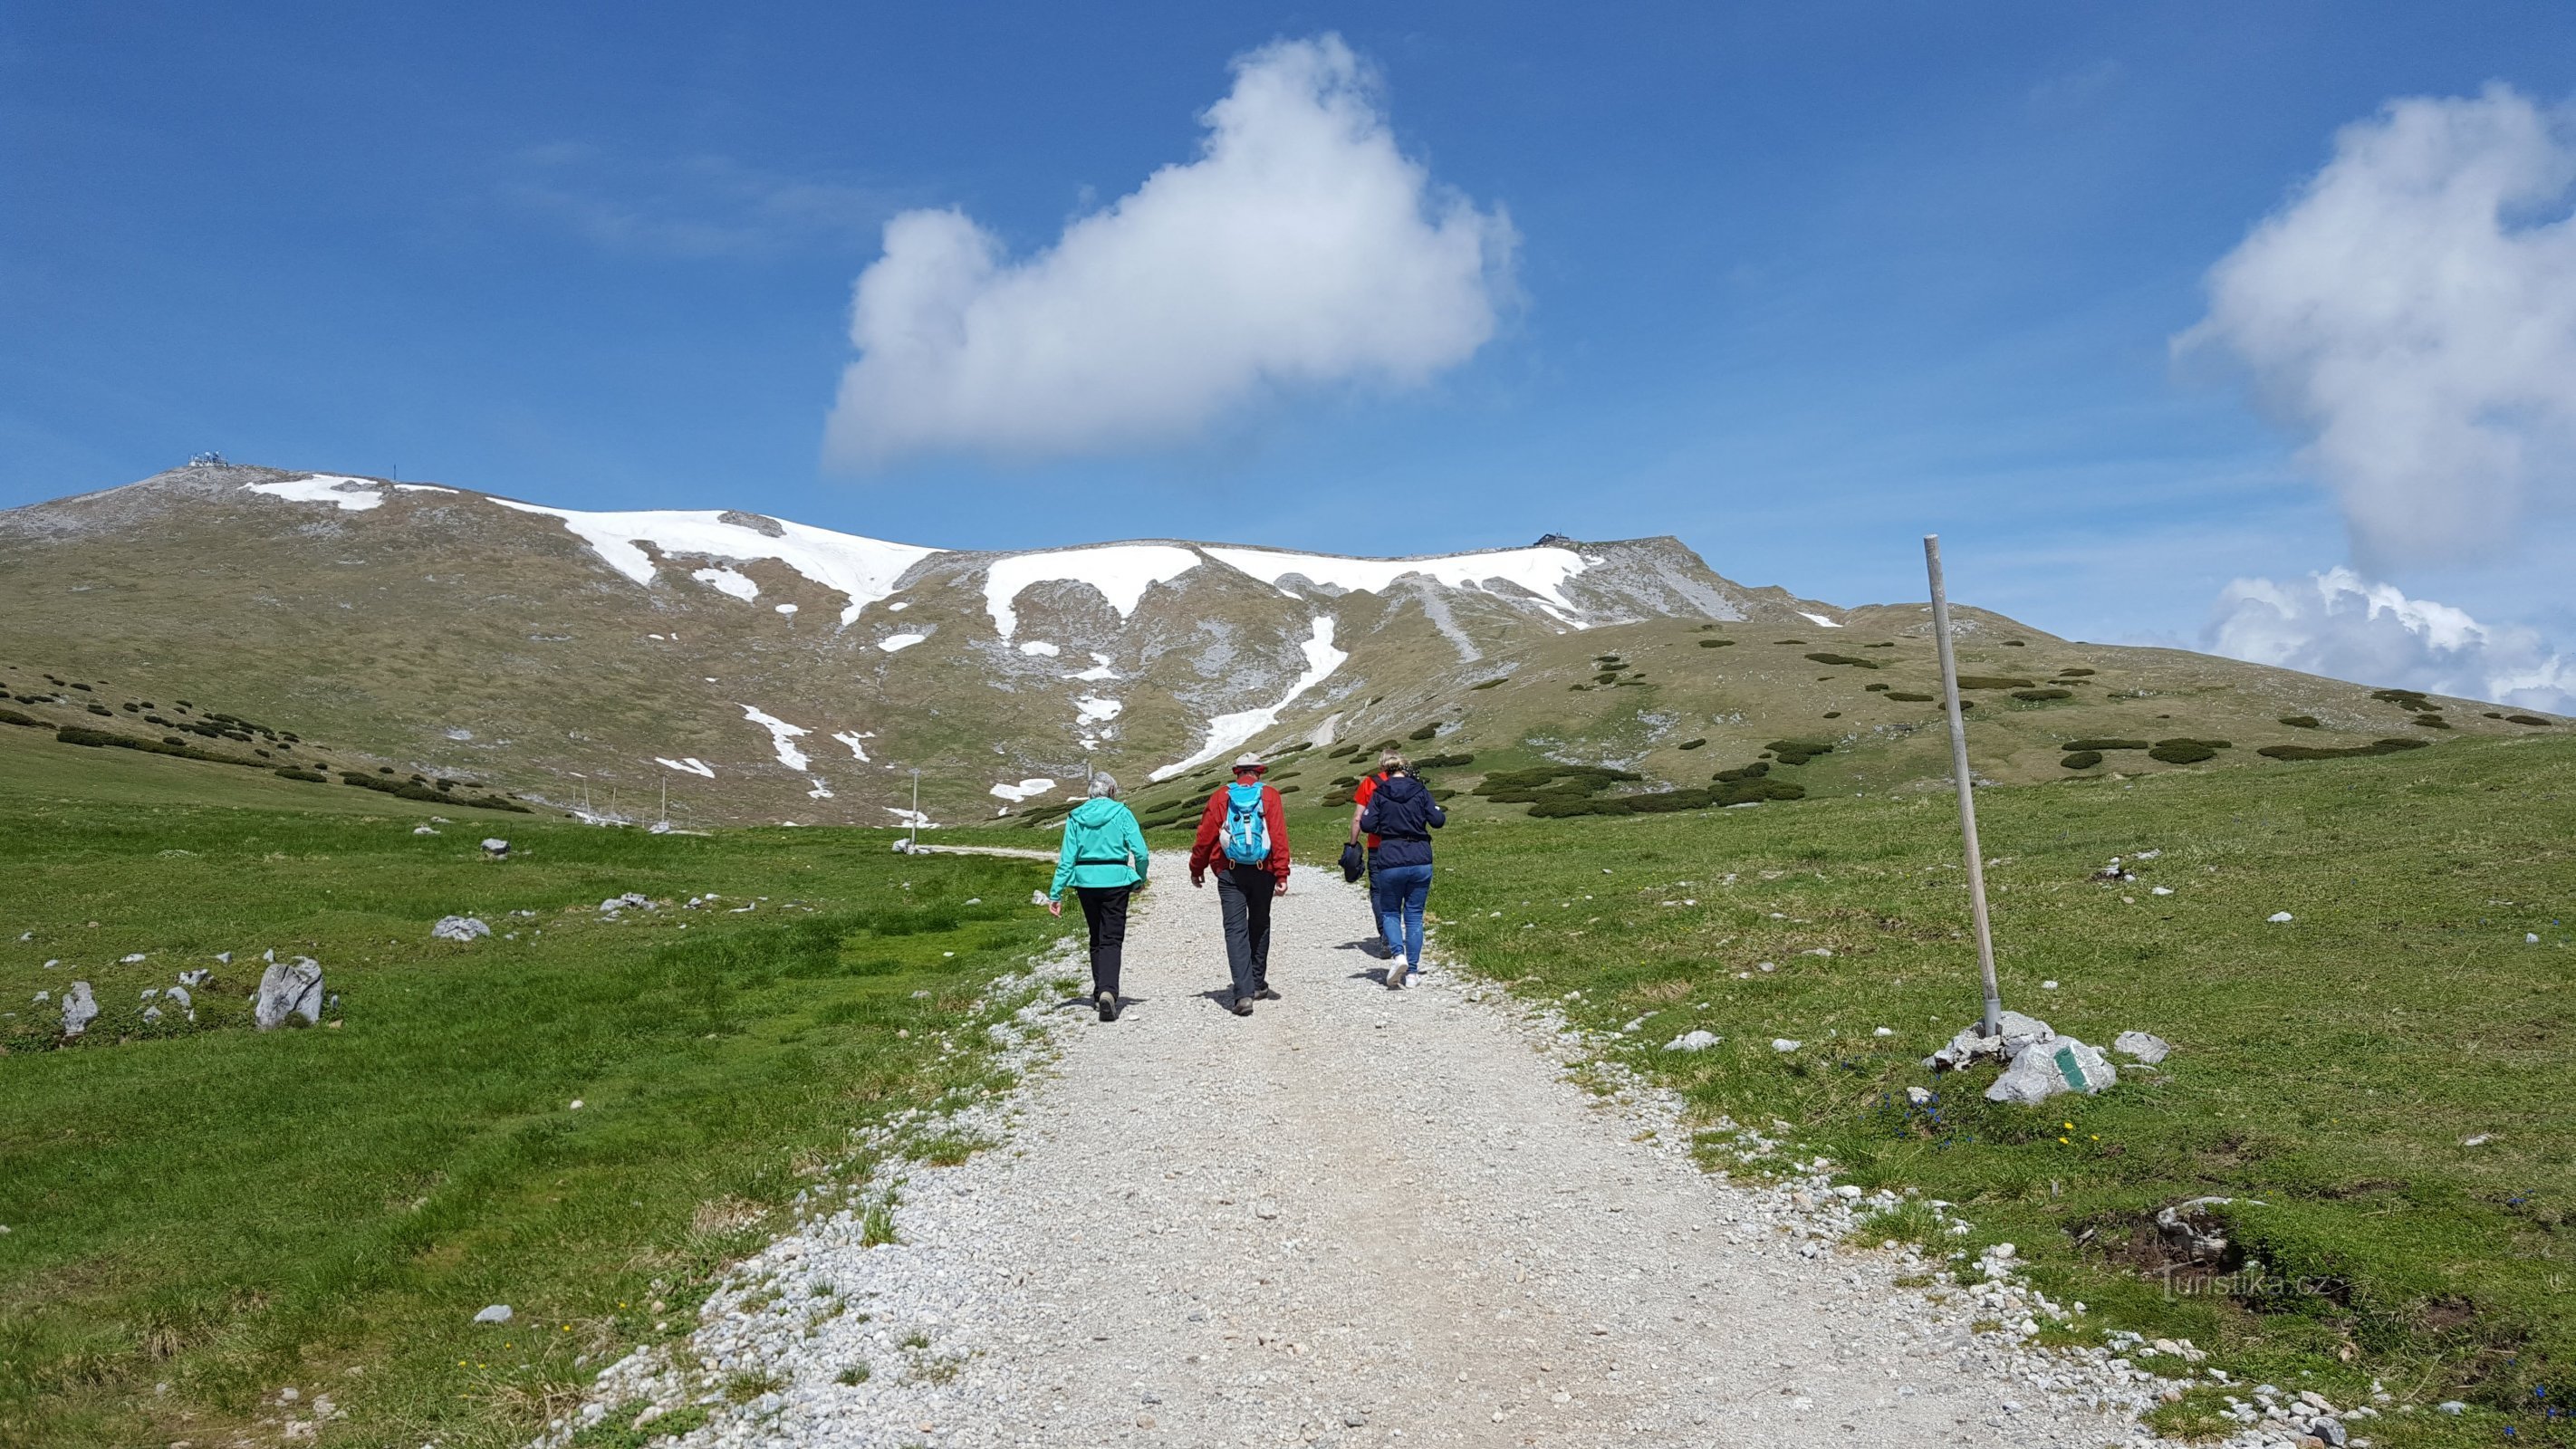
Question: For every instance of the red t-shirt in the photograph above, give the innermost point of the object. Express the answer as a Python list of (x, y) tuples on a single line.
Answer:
[(1361, 792)]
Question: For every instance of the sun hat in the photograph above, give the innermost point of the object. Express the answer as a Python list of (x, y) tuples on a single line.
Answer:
[(1249, 762)]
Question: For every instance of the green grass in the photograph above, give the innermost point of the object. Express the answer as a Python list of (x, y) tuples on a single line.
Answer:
[(2330, 1068), (230, 1212)]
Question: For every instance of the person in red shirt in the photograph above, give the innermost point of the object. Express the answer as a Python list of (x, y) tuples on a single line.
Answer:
[(1360, 794), (1243, 838)]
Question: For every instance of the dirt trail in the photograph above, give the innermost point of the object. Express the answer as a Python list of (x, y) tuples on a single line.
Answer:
[(1358, 1217)]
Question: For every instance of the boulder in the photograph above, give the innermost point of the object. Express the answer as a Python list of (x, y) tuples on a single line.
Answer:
[(2145, 1046), (288, 990), (1692, 1041), (2043, 1069), (80, 1008), (459, 928), (179, 996), (496, 1313), (2191, 1229), (496, 848)]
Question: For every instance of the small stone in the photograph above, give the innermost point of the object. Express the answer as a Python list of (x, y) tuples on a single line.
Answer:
[(2451, 1406), (1692, 1041), (576, 1105), (2480, 1140), (2048, 986), (459, 928), (1884, 1031), (80, 1008), (496, 848), (1784, 1044), (496, 1313), (1919, 1096), (2144, 1046), (2280, 918)]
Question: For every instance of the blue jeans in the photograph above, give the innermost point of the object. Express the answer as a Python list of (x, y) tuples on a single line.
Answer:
[(1399, 891)]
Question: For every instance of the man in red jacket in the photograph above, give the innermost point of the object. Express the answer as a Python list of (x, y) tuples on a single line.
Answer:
[(1243, 837)]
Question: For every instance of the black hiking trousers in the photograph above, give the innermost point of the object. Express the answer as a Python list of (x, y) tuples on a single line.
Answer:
[(1243, 892), (1104, 909)]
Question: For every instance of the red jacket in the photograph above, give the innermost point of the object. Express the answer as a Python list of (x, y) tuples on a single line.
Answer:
[(1209, 850)]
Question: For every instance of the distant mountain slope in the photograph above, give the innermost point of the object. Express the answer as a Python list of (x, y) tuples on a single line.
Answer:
[(760, 669)]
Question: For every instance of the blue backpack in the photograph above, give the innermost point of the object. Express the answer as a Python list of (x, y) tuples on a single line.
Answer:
[(1247, 828)]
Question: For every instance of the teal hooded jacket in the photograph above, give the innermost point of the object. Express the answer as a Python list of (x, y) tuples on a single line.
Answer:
[(1099, 836)]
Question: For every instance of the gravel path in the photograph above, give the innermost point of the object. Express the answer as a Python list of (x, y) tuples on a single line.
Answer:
[(1358, 1217)]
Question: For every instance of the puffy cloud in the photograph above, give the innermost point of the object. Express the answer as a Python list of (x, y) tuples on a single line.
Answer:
[(2338, 624), (2413, 308), (1300, 248)]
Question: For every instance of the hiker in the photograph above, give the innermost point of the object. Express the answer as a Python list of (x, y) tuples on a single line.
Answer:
[(1360, 795), (1402, 815), (1243, 837), (1104, 859)]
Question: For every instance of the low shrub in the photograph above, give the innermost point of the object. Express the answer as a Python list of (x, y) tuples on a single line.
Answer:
[(2348, 752), (1438, 762), (11, 716), (1909, 697), (307, 776), (2037, 696), (2411, 698), (1607, 676), (1875, 688), (2182, 752), (2075, 673), (1427, 732), (2528, 719), (2430, 722), (1754, 771), (2104, 745), (1490, 683), (2300, 721), (1716, 643), (1888, 645), (1745, 792), (2015, 644), (1691, 744), (1993, 681), (2081, 759), (1845, 659), (1798, 752), (101, 709)]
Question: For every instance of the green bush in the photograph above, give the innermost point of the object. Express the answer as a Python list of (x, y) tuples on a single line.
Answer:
[(1754, 771), (2104, 745), (2430, 722), (2411, 698), (2073, 673), (101, 709), (1716, 643), (2300, 721), (307, 776), (1691, 744), (1798, 752), (1607, 676), (2036, 696), (1909, 697), (2528, 719), (11, 716), (1845, 659), (1427, 732), (2349, 752), (1746, 791), (2081, 759), (1437, 762), (1490, 683), (1888, 645), (2182, 752), (1875, 688), (1993, 681)]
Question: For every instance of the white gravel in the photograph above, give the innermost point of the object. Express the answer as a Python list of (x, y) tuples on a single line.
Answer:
[(1359, 1217)]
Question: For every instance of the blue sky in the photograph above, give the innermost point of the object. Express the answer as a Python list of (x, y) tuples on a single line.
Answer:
[(1795, 283)]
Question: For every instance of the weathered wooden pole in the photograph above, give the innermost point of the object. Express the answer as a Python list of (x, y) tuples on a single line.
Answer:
[(1967, 787)]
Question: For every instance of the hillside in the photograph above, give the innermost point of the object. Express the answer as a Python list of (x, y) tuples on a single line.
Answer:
[(762, 670)]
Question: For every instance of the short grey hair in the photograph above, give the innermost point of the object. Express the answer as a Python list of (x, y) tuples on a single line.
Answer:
[(1103, 786)]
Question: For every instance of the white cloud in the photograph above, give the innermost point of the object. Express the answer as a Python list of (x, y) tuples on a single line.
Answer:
[(2413, 309), (2345, 627), (1300, 248)]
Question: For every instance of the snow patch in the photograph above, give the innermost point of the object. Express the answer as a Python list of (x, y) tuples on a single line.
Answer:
[(1092, 709), (687, 765), (423, 488), (1122, 572), (1099, 669), (1819, 620), (781, 736), (852, 740), (1226, 731), (862, 570), (897, 643), (786, 608), (1023, 790), (821, 790), (1541, 571), (918, 819), (727, 581), (349, 495), (1040, 646)]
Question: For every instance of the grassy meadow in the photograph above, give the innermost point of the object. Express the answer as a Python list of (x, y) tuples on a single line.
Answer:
[(2329, 1069), (201, 1216)]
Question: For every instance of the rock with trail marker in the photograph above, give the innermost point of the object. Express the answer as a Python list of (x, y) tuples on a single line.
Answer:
[(2145, 1046), (459, 928), (2046, 1068), (1972, 1044), (288, 990), (80, 1008)]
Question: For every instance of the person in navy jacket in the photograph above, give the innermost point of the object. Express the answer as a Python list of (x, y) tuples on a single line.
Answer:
[(1402, 815)]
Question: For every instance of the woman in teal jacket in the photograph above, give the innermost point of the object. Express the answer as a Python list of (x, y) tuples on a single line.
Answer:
[(1104, 859)]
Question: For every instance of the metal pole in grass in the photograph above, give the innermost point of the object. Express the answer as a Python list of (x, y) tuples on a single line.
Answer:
[(1967, 786), (916, 811)]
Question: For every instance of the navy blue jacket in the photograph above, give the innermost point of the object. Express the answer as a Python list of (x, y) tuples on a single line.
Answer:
[(1402, 816)]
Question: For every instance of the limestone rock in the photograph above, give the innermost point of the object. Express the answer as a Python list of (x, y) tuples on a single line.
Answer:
[(288, 990), (2145, 1046), (80, 1008), (1692, 1041), (459, 928), (2043, 1069), (496, 1313)]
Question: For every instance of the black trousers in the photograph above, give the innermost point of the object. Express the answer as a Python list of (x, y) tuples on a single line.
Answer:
[(1243, 892), (1104, 909)]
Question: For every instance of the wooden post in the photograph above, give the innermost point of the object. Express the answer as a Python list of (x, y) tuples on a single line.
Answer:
[(916, 810), (1993, 1025)]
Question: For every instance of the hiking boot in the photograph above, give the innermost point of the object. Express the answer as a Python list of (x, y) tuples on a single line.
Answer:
[(1108, 1005), (1265, 994), (1243, 1006)]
